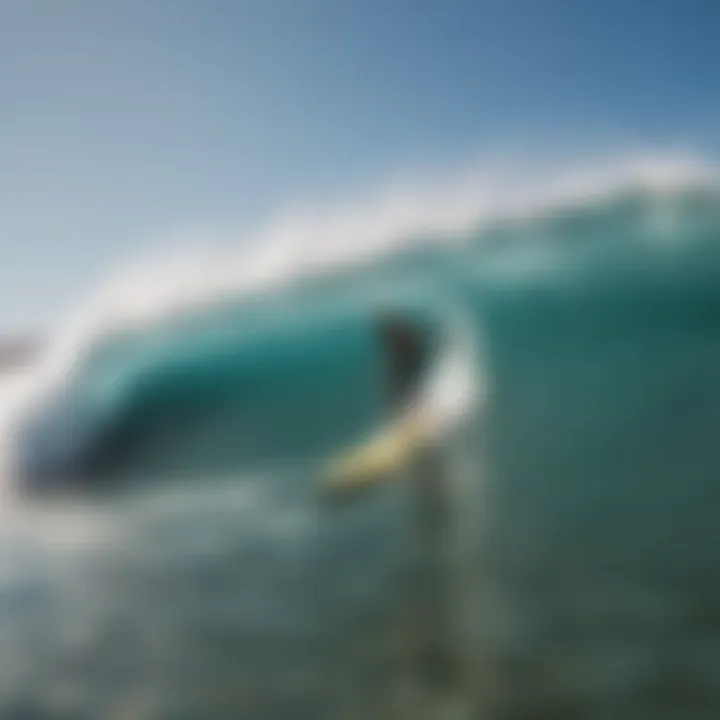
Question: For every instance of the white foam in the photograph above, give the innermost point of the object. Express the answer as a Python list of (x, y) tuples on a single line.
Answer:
[(315, 241), (457, 385)]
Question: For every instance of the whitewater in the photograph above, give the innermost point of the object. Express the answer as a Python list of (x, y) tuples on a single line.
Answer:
[(575, 394)]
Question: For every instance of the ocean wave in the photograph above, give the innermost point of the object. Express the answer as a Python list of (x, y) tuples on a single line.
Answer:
[(537, 204), (210, 266)]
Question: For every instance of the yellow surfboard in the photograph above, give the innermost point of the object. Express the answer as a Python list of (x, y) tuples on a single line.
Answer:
[(387, 453)]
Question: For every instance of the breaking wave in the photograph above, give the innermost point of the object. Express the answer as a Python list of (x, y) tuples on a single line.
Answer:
[(212, 266), (426, 240)]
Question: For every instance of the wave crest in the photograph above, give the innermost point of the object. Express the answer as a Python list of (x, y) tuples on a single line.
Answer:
[(445, 214)]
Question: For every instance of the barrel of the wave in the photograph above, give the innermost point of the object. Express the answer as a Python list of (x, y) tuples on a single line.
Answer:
[(203, 395)]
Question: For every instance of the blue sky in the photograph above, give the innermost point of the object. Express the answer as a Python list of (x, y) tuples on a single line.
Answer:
[(121, 118)]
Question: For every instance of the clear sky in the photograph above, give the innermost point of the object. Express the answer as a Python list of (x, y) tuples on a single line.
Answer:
[(122, 118)]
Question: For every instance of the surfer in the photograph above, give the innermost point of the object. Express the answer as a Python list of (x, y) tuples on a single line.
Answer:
[(407, 353), (407, 444)]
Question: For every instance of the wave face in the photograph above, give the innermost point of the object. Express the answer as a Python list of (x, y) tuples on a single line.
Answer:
[(595, 317)]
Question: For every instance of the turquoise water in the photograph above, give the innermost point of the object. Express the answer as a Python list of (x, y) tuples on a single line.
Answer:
[(586, 580)]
